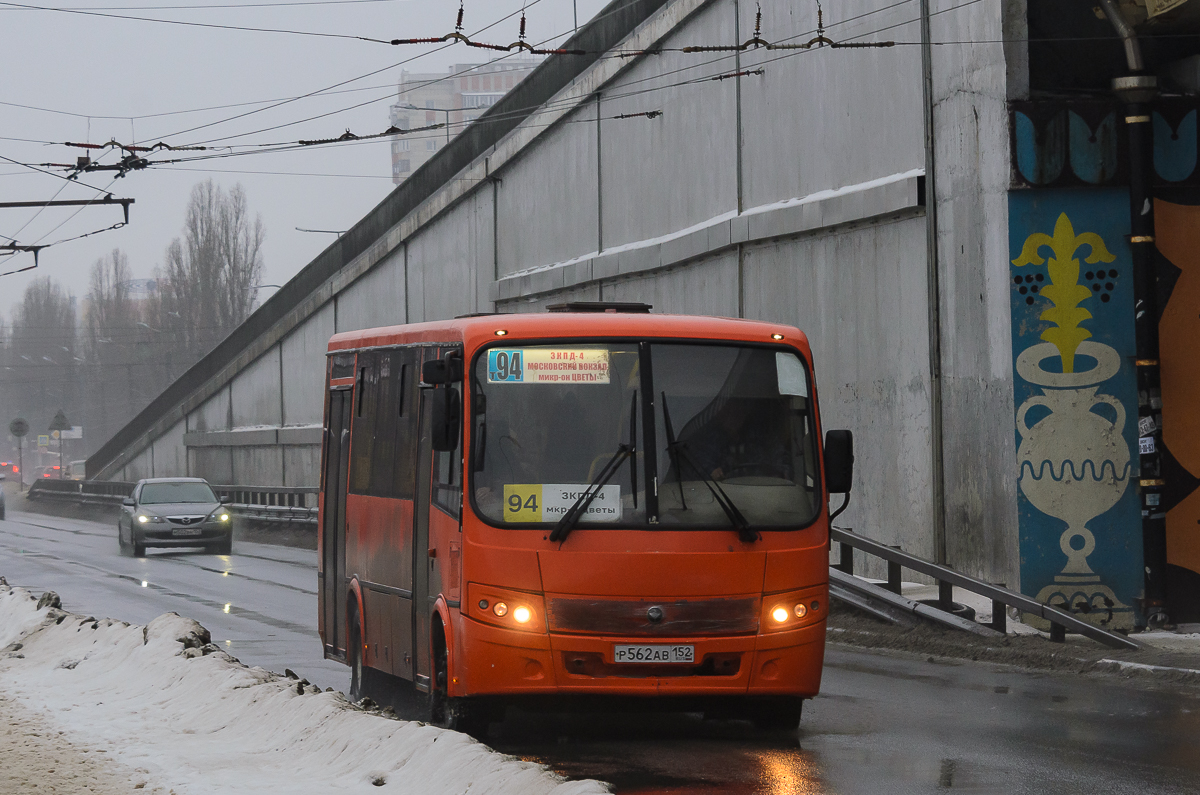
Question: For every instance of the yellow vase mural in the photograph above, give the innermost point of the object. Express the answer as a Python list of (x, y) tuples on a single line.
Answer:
[(1073, 456)]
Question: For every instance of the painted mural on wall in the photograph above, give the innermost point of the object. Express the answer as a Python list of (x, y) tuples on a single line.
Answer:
[(1177, 234), (1076, 402)]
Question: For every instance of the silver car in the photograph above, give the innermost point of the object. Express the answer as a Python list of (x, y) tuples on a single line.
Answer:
[(174, 512)]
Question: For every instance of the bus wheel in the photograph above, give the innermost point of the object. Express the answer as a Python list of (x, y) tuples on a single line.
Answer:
[(459, 714), (778, 714), (354, 651)]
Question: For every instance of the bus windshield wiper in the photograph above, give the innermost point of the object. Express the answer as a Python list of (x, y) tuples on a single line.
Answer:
[(580, 506), (679, 452)]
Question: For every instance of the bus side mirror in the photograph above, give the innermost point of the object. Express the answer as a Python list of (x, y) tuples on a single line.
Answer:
[(444, 419), (839, 461), (442, 371)]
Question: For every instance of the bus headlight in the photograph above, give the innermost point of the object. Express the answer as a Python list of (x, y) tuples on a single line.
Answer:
[(792, 610), (505, 608)]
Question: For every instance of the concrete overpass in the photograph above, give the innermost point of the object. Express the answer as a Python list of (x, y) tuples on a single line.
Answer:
[(797, 194)]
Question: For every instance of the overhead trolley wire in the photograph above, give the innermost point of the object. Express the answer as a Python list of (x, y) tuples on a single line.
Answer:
[(184, 23), (339, 84), (203, 6)]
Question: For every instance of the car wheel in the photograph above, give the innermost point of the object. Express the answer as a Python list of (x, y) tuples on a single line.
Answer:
[(222, 547), (139, 550), (121, 545)]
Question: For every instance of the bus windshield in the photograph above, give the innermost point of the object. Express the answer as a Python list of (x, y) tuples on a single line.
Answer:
[(710, 426)]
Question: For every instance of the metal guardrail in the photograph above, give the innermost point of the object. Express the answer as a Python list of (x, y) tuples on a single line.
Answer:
[(1060, 620), (283, 504), (104, 492)]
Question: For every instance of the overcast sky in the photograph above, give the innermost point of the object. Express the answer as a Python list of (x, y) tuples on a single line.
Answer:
[(161, 81)]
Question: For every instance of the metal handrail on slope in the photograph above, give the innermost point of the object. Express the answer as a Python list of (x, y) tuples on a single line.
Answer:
[(1060, 620)]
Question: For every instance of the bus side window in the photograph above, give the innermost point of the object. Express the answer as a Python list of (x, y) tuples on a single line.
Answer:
[(404, 474), (383, 454), (362, 443), (447, 473)]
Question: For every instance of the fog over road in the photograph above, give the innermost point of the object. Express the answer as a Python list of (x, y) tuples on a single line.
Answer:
[(883, 723)]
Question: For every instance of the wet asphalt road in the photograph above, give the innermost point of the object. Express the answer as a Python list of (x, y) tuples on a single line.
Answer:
[(882, 724), (260, 604)]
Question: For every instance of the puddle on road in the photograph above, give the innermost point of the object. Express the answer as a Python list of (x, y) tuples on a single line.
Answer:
[(655, 754)]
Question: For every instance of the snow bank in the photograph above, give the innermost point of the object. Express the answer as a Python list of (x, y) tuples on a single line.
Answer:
[(182, 714)]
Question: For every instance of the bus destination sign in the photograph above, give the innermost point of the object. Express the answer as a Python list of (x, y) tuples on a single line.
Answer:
[(547, 366)]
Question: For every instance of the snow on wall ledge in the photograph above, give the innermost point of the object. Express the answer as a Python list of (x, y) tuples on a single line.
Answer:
[(181, 714)]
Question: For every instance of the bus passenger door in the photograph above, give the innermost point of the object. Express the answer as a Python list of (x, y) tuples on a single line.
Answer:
[(337, 460), (422, 663)]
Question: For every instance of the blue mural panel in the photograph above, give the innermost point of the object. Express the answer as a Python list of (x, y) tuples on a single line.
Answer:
[(1075, 393)]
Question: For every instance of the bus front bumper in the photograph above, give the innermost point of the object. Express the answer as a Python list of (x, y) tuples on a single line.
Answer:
[(510, 662)]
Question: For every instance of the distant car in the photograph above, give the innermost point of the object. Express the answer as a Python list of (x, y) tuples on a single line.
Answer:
[(174, 512), (2, 477), (76, 470)]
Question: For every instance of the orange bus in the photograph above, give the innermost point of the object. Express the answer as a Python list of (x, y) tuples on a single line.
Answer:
[(592, 505)]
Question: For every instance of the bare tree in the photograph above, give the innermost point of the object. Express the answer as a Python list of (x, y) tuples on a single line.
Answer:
[(207, 285), (111, 315), (41, 372)]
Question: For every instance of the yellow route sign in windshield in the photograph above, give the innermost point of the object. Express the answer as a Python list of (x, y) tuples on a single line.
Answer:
[(548, 366)]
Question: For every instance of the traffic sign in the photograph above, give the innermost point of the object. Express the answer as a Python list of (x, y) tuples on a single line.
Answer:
[(60, 422), (18, 427), (43, 440), (74, 432)]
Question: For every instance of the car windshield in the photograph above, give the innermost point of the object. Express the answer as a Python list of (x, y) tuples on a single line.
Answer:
[(162, 493), (727, 423)]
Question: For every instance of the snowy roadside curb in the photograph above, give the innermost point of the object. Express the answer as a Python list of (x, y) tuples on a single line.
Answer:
[(1163, 669), (181, 714)]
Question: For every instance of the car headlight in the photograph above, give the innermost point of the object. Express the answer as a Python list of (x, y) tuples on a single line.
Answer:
[(143, 518), (223, 517)]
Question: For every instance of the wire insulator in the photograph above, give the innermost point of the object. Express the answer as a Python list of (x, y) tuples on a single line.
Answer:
[(758, 22), (522, 36), (458, 25)]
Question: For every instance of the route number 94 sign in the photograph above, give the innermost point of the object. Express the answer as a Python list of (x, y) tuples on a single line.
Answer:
[(547, 366), (549, 502)]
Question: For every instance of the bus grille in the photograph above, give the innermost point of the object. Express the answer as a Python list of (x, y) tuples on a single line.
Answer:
[(679, 618)]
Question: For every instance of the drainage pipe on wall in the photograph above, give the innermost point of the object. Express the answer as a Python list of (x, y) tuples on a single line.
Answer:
[(1137, 90), (934, 296)]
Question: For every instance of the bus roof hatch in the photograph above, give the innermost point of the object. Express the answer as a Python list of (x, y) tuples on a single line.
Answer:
[(614, 307)]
